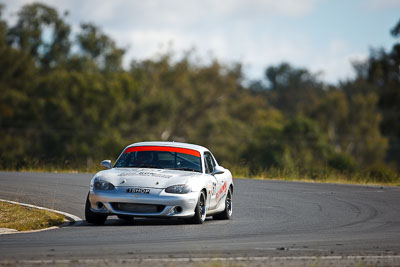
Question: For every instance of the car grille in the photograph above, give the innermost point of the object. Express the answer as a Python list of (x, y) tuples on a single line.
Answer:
[(139, 208)]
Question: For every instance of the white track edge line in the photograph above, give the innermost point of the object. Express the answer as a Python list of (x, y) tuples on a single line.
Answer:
[(204, 259)]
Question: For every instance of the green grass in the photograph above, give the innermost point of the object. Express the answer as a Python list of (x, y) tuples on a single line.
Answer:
[(374, 175), (25, 218)]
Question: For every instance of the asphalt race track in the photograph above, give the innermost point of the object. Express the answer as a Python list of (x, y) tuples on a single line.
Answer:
[(270, 218)]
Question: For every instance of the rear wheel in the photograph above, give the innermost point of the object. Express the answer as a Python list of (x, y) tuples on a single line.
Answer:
[(92, 217), (227, 213), (200, 210)]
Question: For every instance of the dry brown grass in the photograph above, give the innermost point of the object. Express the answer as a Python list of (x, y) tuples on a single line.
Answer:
[(25, 218)]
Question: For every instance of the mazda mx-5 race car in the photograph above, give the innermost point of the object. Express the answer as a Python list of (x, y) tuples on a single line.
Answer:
[(161, 179)]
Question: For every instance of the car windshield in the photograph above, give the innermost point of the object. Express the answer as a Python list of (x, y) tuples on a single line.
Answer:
[(160, 157)]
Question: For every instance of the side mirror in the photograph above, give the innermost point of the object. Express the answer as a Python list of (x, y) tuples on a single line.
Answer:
[(218, 170), (106, 163)]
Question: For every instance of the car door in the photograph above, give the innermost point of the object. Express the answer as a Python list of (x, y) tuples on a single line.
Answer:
[(218, 181)]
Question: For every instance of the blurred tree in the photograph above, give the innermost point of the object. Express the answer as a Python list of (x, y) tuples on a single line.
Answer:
[(295, 143), (41, 33), (384, 73), (265, 149), (361, 136), (200, 104), (379, 75), (3, 28), (292, 90), (351, 121), (57, 106), (396, 30), (99, 47), (306, 143), (17, 74), (332, 113)]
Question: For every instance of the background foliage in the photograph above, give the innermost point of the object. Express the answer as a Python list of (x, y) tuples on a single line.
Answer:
[(67, 102)]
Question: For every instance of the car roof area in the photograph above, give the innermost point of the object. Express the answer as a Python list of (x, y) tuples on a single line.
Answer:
[(171, 144)]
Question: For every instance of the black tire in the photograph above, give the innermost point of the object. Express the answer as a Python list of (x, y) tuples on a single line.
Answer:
[(227, 213), (125, 217), (92, 217), (200, 210)]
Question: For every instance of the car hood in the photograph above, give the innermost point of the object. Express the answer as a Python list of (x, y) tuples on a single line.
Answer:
[(142, 177)]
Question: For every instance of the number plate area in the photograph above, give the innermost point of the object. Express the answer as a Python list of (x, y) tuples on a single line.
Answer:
[(138, 190)]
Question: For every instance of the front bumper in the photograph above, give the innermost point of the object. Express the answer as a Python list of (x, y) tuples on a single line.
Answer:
[(160, 204)]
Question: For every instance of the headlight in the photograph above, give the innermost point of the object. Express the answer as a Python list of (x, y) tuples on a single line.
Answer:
[(103, 185), (178, 189)]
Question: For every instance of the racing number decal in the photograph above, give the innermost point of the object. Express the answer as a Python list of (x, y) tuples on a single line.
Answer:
[(212, 189), (222, 190)]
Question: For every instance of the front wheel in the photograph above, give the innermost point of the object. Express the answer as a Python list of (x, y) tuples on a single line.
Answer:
[(200, 210), (92, 217), (227, 213)]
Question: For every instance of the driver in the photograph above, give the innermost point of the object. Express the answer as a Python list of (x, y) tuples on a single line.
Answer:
[(144, 157)]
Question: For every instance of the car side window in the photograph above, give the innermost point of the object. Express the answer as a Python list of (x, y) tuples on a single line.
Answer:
[(206, 168), (209, 162)]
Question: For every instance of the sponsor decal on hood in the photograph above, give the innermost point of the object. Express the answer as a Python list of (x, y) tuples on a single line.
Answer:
[(145, 173)]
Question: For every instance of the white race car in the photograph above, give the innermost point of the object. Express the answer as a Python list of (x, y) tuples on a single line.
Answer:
[(161, 179)]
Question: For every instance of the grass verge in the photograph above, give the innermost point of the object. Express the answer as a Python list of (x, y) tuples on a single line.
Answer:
[(25, 218), (373, 175), (380, 177)]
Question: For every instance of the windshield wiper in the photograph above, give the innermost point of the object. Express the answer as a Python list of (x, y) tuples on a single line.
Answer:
[(185, 169)]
